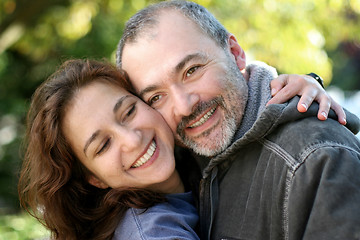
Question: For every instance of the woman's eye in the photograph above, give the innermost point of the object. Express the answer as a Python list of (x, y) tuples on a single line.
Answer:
[(154, 99), (104, 147), (131, 111), (191, 71)]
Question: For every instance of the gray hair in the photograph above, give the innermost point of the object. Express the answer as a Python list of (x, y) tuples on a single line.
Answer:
[(147, 18)]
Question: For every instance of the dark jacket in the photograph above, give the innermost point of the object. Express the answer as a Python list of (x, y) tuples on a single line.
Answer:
[(290, 176)]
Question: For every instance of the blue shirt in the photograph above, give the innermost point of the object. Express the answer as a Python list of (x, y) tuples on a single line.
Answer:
[(175, 219)]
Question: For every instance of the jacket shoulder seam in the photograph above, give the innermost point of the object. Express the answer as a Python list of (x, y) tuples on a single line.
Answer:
[(290, 161), (313, 147)]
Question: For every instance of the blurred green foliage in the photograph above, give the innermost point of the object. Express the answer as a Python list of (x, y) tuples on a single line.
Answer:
[(296, 36), (21, 227)]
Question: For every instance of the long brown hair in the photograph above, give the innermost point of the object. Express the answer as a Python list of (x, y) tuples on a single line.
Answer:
[(53, 184)]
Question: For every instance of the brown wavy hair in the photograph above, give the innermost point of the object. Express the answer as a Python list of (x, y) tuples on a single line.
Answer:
[(53, 184)]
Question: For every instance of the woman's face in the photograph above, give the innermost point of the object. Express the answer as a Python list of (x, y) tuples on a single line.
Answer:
[(120, 139)]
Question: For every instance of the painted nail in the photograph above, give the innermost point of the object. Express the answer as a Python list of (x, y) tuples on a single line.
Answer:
[(324, 114), (304, 105)]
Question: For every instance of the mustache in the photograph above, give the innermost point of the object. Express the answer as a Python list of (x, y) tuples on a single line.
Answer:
[(198, 109)]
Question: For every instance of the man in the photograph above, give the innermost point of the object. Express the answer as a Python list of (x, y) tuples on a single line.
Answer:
[(269, 172)]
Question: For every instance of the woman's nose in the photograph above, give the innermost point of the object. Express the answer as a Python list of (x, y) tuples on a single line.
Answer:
[(130, 139)]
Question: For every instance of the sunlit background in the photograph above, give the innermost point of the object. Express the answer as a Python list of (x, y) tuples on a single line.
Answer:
[(295, 36)]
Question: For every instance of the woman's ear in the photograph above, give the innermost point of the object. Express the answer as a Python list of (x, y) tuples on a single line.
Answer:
[(97, 182), (237, 52)]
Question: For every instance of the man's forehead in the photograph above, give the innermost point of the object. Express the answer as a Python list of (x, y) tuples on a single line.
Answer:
[(152, 58), (168, 21)]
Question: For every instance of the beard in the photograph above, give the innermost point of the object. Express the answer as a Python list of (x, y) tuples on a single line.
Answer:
[(232, 102)]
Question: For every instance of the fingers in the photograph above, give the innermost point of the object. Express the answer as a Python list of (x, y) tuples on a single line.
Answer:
[(287, 86), (281, 90), (325, 103), (314, 92), (278, 83), (324, 107), (306, 99), (339, 111)]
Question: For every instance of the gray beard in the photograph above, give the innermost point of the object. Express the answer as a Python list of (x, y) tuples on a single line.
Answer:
[(232, 117)]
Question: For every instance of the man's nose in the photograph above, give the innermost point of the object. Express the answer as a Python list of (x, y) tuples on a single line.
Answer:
[(184, 101)]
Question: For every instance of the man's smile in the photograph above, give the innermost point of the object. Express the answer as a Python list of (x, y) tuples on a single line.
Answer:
[(204, 118)]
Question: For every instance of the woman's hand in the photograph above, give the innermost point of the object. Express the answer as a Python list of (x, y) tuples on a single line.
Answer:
[(287, 86)]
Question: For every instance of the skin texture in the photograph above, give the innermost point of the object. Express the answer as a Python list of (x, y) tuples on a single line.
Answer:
[(110, 129), (188, 80)]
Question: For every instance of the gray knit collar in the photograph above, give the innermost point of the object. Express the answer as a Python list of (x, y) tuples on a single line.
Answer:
[(259, 94)]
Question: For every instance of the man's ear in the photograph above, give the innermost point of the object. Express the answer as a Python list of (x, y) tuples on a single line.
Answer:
[(237, 52), (97, 182)]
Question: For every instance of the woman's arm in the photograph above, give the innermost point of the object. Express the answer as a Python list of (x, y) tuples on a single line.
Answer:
[(287, 86)]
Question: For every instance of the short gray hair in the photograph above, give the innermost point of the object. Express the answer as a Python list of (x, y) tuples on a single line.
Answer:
[(147, 18)]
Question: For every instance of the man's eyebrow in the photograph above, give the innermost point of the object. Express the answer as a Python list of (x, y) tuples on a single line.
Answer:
[(177, 69), (147, 89), (90, 140), (187, 59)]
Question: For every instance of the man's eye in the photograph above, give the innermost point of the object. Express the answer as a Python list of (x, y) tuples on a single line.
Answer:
[(191, 71), (154, 99), (104, 147)]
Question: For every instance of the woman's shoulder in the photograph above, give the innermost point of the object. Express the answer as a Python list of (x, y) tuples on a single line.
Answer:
[(177, 218)]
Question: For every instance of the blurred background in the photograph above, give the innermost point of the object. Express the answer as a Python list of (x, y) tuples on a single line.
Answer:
[(295, 36)]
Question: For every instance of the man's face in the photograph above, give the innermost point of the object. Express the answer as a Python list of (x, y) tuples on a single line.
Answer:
[(195, 85)]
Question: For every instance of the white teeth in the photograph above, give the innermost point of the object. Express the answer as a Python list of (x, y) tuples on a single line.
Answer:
[(204, 118), (146, 156)]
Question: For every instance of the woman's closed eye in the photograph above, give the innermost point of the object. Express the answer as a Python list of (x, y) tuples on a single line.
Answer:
[(105, 145), (129, 113)]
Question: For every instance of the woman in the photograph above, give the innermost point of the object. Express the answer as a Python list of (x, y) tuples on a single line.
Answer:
[(94, 150)]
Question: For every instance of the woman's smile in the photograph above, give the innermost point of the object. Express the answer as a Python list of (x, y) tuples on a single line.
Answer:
[(149, 154)]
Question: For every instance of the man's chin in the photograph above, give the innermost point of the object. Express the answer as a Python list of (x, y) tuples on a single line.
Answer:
[(205, 147), (211, 143), (208, 151)]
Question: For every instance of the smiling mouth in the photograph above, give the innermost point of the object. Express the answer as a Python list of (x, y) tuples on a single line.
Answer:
[(146, 157), (204, 118)]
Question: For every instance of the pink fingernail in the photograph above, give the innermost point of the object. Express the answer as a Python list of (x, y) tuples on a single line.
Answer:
[(324, 114), (305, 106)]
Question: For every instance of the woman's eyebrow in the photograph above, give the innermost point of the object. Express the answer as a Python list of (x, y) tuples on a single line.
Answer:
[(120, 102)]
